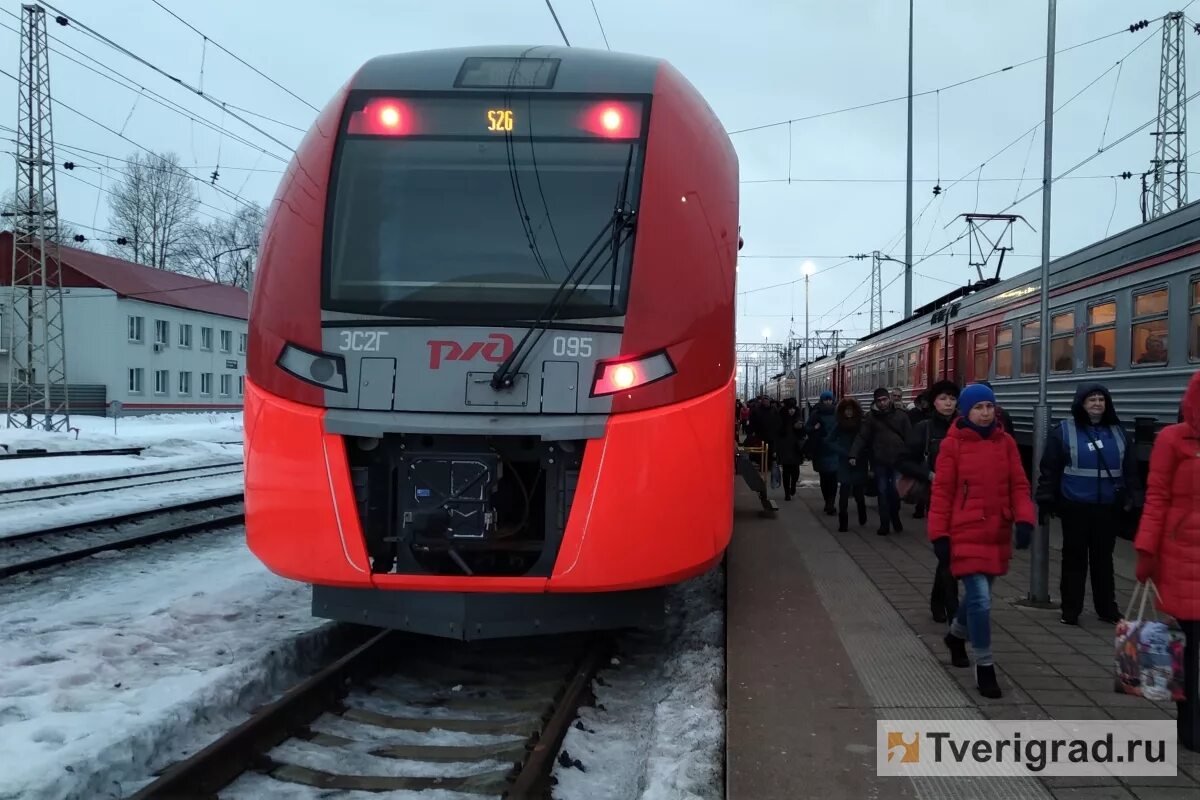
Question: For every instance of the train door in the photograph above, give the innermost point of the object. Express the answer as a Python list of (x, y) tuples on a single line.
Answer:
[(960, 356), (934, 367)]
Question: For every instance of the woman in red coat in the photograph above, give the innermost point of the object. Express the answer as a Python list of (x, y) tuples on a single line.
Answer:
[(1168, 545), (979, 493)]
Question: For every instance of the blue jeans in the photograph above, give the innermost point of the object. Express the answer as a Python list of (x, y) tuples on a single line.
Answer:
[(973, 619), (889, 498)]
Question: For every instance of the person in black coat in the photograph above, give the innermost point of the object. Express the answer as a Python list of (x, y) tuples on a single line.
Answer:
[(788, 449), (918, 461), (1089, 478), (851, 475)]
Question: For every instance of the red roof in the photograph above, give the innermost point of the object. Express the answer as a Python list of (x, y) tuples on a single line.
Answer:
[(81, 268)]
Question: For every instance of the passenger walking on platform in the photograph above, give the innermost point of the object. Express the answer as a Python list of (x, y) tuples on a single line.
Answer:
[(883, 436), (979, 491), (920, 410), (851, 476), (824, 458), (788, 448), (1089, 478), (1002, 416), (1168, 546), (918, 462)]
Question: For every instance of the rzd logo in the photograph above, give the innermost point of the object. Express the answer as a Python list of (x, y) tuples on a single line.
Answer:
[(496, 350), (907, 752)]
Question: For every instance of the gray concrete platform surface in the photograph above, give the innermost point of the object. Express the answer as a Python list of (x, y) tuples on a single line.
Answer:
[(828, 632)]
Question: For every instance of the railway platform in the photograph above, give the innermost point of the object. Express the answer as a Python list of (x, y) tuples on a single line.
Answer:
[(828, 632)]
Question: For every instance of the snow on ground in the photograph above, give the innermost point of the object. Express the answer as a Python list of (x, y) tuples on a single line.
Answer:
[(17, 518), (170, 441), (107, 666), (657, 728)]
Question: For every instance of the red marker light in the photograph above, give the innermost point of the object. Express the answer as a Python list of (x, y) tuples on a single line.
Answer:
[(618, 376), (382, 116), (623, 376), (612, 120)]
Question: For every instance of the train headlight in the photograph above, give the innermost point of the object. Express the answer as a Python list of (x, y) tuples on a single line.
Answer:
[(630, 373), (320, 369)]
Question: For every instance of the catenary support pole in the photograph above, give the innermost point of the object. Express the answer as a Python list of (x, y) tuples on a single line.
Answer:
[(1039, 568), (908, 187)]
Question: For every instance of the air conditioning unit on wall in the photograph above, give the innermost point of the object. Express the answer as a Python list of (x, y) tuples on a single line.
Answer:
[(159, 347)]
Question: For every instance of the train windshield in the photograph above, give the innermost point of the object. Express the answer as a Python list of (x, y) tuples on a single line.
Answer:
[(461, 213)]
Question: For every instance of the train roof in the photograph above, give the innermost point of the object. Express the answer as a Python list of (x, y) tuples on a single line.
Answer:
[(1142, 241), (548, 68)]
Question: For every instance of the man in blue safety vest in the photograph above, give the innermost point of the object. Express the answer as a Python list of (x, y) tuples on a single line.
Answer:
[(1089, 479)]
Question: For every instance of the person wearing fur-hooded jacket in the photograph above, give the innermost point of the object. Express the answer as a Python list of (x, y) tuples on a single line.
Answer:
[(1168, 545), (852, 478), (1089, 478), (979, 493)]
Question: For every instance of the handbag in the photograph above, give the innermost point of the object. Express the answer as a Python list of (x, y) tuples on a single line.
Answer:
[(912, 490), (776, 476), (1148, 659)]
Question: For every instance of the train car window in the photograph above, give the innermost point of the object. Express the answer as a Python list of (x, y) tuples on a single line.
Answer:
[(982, 356), (912, 368), (1062, 342), (1150, 327), (1031, 346), (935, 371), (1004, 356), (1102, 335), (891, 372), (1194, 323)]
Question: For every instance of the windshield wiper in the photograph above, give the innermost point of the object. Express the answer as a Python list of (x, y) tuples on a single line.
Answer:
[(621, 224)]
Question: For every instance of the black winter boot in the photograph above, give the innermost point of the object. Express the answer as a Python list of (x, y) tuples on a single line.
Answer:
[(862, 513), (896, 522), (985, 679), (843, 522), (958, 650)]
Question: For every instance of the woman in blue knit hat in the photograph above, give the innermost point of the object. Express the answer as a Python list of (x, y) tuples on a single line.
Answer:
[(825, 459), (979, 493)]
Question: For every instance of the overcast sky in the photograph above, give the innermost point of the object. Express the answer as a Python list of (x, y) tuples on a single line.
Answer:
[(756, 61)]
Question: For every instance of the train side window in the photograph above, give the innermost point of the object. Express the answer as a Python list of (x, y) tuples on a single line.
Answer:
[(912, 367), (891, 372), (1031, 346), (1150, 327), (981, 356), (1004, 356), (1194, 324), (1062, 342), (1102, 335), (936, 352)]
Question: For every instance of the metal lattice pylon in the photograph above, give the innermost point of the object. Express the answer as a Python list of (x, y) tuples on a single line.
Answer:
[(37, 357), (1169, 190), (876, 292)]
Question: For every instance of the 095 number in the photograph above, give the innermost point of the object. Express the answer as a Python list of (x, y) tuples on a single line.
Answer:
[(573, 346)]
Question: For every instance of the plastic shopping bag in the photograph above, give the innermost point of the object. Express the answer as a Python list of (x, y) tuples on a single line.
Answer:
[(776, 477), (1149, 653)]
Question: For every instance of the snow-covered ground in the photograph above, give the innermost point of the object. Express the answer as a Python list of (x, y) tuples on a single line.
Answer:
[(170, 441), (657, 729), (106, 667)]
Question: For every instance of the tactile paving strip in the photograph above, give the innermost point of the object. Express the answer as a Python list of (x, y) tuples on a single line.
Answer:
[(902, 677)]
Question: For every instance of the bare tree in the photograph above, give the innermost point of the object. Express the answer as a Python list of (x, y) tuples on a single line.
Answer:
[(153, 207), (225, 250)]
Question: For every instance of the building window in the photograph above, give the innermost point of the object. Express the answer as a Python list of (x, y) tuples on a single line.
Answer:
[(162, 381), (241, 385), (206, 338), (1004, 357), (1150, 327), (226, 341), (185, 335), (1102, 335), (135, 380), (162, 332), (1031, 346), (241, 344), (982, 361), (226, 384), (206, 384), (135, 329), (1194, 325), (1062, 342), (185, 383)]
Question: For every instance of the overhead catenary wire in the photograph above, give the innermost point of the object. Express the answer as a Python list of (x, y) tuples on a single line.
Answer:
[(601, 24), (208, 39), (76, 23), (926, 92)]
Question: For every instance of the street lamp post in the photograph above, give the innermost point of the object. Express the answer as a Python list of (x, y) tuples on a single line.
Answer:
[(216, 265)]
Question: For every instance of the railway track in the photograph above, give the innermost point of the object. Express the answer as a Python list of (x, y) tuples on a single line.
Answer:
[(33, 550), (61, 489), (398, 713)]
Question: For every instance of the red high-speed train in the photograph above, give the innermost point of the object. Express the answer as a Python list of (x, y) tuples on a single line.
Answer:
[(491, 368)]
